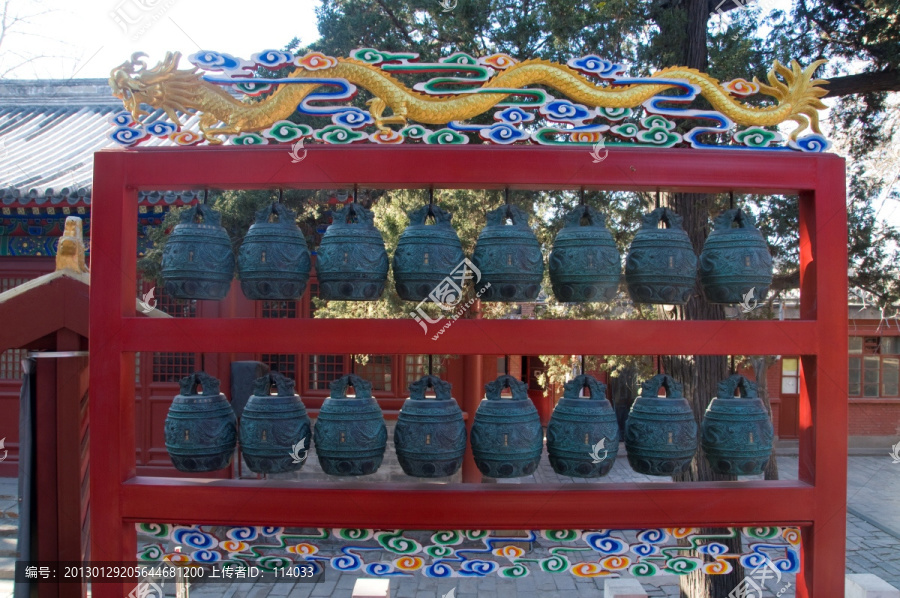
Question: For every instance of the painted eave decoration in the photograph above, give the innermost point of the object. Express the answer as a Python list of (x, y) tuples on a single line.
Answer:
[(251, 102)]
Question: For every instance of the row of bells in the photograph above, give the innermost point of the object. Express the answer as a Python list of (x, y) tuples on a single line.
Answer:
[(661, 435), (585, 265)]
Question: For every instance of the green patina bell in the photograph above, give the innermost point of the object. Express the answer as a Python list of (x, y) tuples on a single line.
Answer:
[(275, 431), (509, 257), (583, 433), (426, 255), (585, 264), (661, 266), (430, 436), (735, 264), (350, 434), (273, 261), (197, 261), (736, 433), (660, 432), (351, 262), (507, 437), (200, 428)]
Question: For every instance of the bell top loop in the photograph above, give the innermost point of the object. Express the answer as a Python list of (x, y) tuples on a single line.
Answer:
[(514, 213), (594, 218), (441, 389), (284, 385), (650, 388), (210, 216), (419, 215), (493, 389), (730, 385), (339, 387), (354, 210), (736, 216), (573, 388), (285, 216), (189, 384), (664, 215)]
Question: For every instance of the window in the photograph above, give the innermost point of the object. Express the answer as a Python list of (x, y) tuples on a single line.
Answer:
[(172, 367), (874, 367), (323, 369), (377, 371), (11, 364), (417, 366), (790, 376), (279, 309), (286, 365)]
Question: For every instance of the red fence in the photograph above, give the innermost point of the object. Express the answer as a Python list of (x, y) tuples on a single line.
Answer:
[(816, 501)]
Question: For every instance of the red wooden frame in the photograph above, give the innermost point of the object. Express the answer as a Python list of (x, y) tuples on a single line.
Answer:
[(817, 501)]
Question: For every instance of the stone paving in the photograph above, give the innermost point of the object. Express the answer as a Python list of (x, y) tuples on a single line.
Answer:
[(873, 546)]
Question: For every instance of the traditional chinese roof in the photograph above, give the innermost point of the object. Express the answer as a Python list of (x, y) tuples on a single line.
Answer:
[(49, 131)]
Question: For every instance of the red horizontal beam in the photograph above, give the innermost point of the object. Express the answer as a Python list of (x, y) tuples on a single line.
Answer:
[(472, 337), (467, 506), (470, 167)]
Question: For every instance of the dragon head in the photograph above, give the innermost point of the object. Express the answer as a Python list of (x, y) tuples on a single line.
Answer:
[(163, 86)]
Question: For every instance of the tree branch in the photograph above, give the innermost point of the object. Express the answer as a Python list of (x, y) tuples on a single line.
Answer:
[(863, 83), (397, 23)]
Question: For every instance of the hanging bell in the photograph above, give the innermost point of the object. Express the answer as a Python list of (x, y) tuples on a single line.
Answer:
[(583, 433), (736, 433), (585, 264), (507, 437), (430, 436), (274, 430), (197, 261), (735, 264), (660, 432), (426, 255), (509, 257), (661, 266), (200, 428), (273, 262), (351, 262), (350, 435)]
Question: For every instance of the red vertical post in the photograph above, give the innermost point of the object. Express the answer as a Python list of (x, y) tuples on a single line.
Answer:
[(112, 453), (472, 394), (823, 381)]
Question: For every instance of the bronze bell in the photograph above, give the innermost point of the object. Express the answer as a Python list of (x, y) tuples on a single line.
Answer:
[(661, 266), (350, 435), (351, 262), (509, 257), (197, 261)]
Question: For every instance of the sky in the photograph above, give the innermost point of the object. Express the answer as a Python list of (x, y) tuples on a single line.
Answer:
[(88, 38)]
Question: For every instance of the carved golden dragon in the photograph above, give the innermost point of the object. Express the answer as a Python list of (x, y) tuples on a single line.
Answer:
[(165, 86)]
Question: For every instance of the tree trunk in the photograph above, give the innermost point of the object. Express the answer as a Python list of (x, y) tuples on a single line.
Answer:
[(761, 365), (701, 375)]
